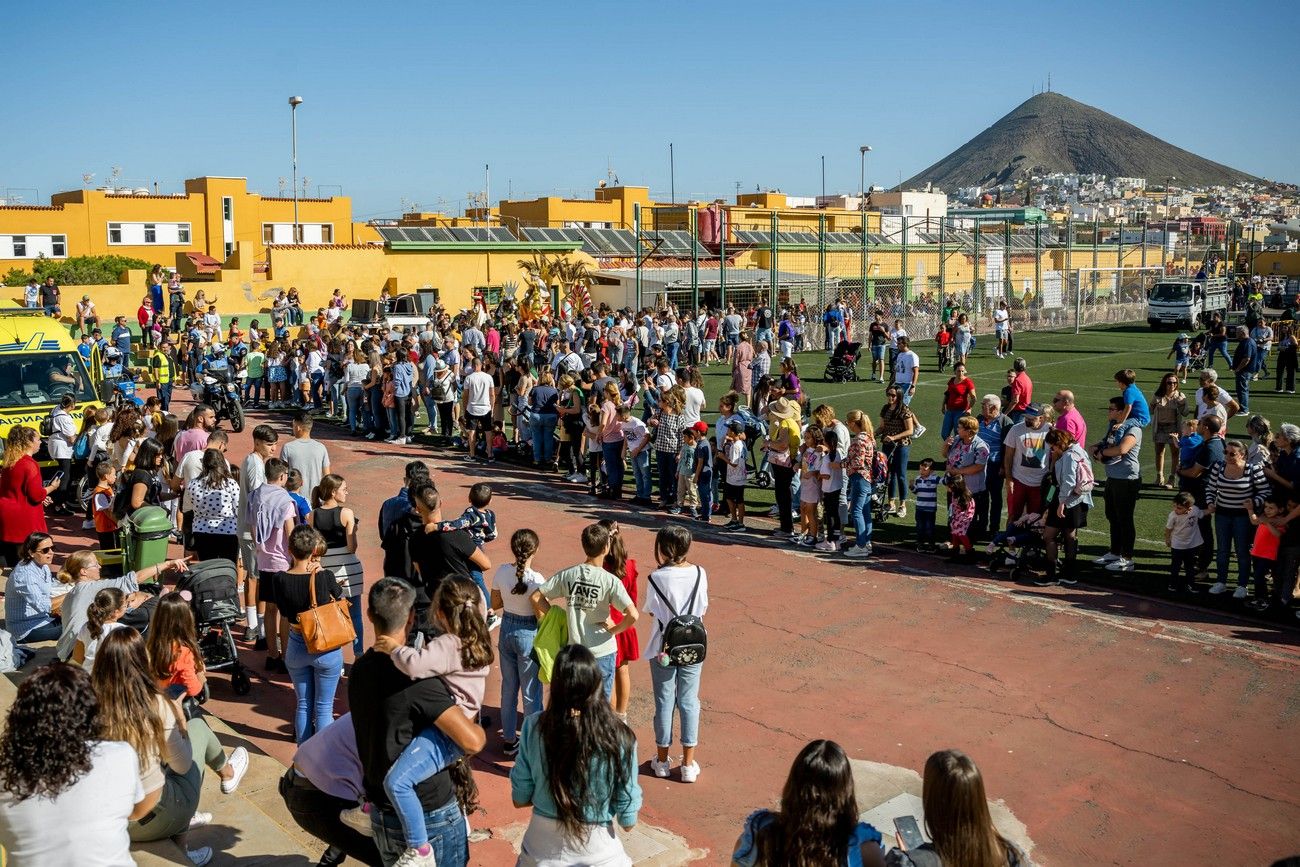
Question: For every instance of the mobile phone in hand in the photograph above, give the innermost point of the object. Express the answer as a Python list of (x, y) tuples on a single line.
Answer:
[(909, 833), (58, 477)]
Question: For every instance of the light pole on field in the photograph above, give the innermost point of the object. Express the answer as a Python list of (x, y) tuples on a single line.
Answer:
[(294, 102)]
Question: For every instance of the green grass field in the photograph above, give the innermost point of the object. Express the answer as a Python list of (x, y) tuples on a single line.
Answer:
[(1084, 363)]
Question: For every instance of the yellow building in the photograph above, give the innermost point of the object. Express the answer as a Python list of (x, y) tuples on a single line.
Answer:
[(211, 217)]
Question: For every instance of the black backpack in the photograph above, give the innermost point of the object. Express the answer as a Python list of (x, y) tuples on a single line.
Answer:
[(685, 641)]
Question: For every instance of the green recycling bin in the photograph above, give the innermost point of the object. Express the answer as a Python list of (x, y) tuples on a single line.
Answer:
[(145, 537)]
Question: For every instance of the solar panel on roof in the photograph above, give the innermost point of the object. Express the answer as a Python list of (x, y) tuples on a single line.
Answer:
[(531, 233), (390, 234), (623, 240)]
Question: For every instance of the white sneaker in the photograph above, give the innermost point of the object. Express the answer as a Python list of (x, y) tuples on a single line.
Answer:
[(990, 548), (238, 762), (576, 478), (1218, 588), (413, 858), (857, 553), (1106, 559), (774, 512), (87, 525), (199, 857), (659, 768), (400, 441), (826, 546), (198, 820), (691, 772), (1120, 565), (358, 819), (1240, 593), (902, 511)]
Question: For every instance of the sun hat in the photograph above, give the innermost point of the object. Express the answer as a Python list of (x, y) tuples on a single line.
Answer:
[(782, 409)]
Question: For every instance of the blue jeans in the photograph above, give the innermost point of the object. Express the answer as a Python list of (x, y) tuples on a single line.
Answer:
[(518, 671), (676, 687), (477, 576), (705, 487), (1243, 390), (253, 390), (544, 436), (315, 679), (354, 611), (445, 827), (375, 398), (607, 664), (613, 456), (762, 335), (666, 465), (950, 417), (859, 510), (165, 396), (672, 349), (317, 388), (1221, 348), (428, 753), (1229, 530), (925, 525), (641, 474), (356, 399), (897, 455)]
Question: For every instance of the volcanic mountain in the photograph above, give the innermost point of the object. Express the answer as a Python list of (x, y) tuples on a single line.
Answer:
[(1053, 133)]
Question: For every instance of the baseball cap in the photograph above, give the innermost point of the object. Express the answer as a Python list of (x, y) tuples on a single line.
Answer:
[(701, 427), (1182, 336), (735, 427), (1034, 410)]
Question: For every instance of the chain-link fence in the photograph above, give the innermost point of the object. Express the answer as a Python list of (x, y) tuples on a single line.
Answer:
[(912, 269)]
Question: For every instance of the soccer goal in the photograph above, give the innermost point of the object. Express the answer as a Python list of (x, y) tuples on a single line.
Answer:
[(1109, 295)]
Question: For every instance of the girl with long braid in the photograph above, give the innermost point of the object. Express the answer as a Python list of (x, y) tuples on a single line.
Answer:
[(512, 590)]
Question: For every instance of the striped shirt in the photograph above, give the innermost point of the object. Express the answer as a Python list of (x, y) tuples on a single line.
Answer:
[(927, 492), (1235, 494)]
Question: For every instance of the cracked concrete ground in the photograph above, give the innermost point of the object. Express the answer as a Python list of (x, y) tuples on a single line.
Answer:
[(1117, 729)]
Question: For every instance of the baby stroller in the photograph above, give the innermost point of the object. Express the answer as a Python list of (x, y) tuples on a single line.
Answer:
[(842, 366), (213, 586), (1199, 356), (1020, 551)]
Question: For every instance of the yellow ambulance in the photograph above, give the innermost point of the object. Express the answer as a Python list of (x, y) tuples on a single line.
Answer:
[(39, 364)]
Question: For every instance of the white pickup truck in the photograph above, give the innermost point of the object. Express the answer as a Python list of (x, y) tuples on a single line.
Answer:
[(1183, 302)]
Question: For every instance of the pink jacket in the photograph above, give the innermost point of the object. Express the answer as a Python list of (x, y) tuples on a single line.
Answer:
[(440, 657)]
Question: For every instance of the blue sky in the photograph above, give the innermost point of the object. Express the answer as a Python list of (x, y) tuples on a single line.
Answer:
[(407, 100)]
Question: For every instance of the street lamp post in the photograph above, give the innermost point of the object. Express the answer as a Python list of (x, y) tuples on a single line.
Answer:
[(862, 174), (294, 102)]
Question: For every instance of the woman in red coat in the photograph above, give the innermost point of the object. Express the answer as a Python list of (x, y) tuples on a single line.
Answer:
[(23, 497)]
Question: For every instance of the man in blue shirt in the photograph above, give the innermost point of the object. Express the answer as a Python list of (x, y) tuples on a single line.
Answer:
[(403, 383), (121, 336)]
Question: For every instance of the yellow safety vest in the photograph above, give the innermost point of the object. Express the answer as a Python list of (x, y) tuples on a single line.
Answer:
[(162, 367)]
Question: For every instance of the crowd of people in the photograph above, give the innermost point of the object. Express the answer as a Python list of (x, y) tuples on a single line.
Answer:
[(589, 399)]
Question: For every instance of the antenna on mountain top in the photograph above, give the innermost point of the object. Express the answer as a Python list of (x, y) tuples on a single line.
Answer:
[(1049, 82)]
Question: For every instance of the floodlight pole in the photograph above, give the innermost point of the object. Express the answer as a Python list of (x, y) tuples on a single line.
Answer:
[(294, 102), (672, 175)]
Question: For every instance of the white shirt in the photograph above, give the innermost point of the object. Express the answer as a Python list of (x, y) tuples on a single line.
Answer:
[(634, 430), (904, 366), (86, 823), (187, 471), (315, 360), (1202, 410), (504, 580), (60, 441), (736, 454), (1000, 317), (693, 404), (478, 393), (92, 644), (676, 582)]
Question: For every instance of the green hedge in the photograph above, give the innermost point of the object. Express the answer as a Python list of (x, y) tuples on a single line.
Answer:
[(77, 271)]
